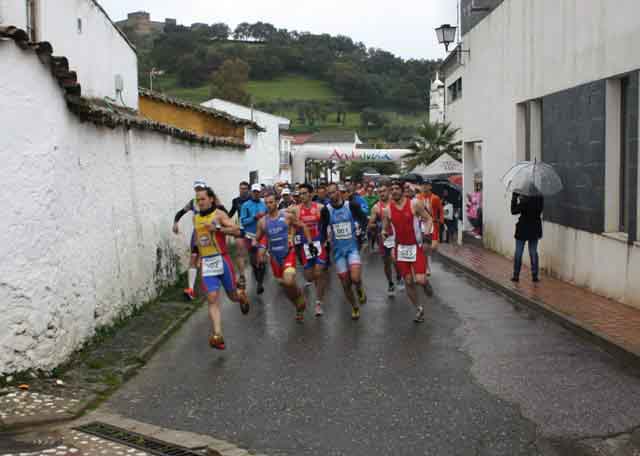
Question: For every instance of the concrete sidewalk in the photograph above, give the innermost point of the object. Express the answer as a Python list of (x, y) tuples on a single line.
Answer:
[(615, 325)]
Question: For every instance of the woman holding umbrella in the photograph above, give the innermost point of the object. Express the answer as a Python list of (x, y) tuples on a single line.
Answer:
[(528, 230), (530, 182)]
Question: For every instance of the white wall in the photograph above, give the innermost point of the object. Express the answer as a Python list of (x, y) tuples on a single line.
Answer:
[(524, 50), (13, 12), (454, 111), (97, 54), (88, 212), (264, 153)]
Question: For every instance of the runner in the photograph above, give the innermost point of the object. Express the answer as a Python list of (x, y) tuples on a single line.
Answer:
[(315, 266), (252, 211), (341, 216), (404, 216), (191, 206), (211, 226), (385, 244), (431, 232), (286, 199), (278, 228)]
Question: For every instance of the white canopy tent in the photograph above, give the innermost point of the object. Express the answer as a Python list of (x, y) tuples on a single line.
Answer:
[(444, 165)]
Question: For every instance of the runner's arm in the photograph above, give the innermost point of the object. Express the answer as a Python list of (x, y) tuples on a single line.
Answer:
[(181, 213), (386, 221), (228, 227), (358, 213), (373, 218), (260, 230), (324, 224), (234, 208), (421, 211)]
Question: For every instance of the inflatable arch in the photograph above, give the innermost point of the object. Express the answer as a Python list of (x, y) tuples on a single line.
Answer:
[(340, 154)]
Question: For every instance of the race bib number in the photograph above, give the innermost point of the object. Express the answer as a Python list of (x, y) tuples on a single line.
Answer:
[(318, 247), (390, 242), (343, 231), (297, 240), (407, 253), (212, 266)]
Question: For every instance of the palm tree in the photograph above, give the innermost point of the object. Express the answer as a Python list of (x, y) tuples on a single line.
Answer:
[(433, 140)]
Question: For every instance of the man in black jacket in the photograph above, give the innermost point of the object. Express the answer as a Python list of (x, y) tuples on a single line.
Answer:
[(528, 229), (237, 203)]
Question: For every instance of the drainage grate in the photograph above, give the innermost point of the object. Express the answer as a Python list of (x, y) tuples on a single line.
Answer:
[(134, 440)]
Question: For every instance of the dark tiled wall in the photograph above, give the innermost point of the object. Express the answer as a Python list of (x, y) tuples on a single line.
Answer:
[(573, 140), (470, 19)]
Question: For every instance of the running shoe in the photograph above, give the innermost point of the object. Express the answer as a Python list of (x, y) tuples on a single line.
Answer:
[(217, 341), (260, 289), (391, 290), (189, 294), (308, 284), (401, 286), (319, 311), (300, 308), (362, 297), (244, 301), (355, 313), (428, 289), (419, 315)]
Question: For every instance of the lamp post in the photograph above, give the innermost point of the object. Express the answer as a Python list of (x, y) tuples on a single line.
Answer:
[(446, 34)]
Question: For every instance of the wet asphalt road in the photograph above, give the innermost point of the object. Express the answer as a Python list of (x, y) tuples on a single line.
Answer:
[(483, 376)]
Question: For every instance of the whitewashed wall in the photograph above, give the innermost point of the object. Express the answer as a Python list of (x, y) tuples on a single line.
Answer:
[(88, 213), (528, 49), (98, 53), (264, 153), (13, 12)]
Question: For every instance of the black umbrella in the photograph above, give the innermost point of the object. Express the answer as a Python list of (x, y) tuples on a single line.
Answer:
[(413, 178)]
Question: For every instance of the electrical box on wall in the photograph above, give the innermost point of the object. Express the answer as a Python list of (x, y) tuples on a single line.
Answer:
[(119, 83)]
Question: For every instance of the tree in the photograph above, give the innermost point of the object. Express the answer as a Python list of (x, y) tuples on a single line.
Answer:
[(356, 169), (370, 118), (434, 139), (219, 31), (190, 72), (230, 82)]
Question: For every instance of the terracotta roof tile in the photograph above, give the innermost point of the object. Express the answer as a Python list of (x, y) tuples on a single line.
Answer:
[(101, 112), (199, 108)]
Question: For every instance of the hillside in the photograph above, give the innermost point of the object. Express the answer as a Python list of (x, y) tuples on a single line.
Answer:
[(316, 80), (294, 91)]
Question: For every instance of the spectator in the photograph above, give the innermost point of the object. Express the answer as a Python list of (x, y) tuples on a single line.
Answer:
[(528, 230)]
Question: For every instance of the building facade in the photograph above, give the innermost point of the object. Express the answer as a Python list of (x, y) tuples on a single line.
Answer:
[(103, 58), (557, 80), (267, 157)]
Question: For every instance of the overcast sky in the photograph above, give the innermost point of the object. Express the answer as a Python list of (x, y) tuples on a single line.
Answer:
[(404, 27)]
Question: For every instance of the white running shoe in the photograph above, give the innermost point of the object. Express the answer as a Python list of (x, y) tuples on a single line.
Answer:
[(319, 311)]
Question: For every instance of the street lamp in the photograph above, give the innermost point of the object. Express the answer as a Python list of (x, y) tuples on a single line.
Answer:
[(446, 35)]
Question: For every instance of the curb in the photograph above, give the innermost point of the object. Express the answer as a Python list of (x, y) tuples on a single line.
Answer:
[(95, 398), (146, 353), (627, 357)]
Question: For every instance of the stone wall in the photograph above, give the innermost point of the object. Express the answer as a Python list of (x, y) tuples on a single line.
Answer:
[(86, 234)]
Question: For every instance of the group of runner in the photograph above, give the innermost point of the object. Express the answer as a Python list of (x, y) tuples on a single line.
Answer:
[(316, 228)]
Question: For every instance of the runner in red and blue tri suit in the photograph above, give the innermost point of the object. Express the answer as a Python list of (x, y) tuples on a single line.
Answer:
[(315, 266), (278, 228)]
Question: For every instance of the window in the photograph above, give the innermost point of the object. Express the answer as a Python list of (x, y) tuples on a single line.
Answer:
[(454, 91), (285, 152), (530, 130), (621, 182), (32, 19)]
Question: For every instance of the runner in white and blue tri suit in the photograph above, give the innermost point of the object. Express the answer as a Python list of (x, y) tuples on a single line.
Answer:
[(339, 219)]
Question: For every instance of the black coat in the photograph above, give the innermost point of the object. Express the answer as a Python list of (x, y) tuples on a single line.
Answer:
[(529, 226)]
